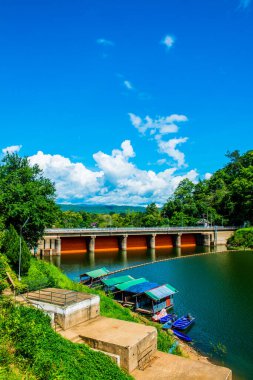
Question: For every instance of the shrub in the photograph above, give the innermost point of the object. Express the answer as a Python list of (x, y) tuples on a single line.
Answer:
[(242, 238)]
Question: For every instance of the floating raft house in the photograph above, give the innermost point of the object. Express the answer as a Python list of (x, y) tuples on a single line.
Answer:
[(94, 276), (110, 283), (121, 294), (156, 299)]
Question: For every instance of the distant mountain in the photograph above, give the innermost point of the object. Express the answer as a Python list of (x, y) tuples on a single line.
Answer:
[(100, 209)]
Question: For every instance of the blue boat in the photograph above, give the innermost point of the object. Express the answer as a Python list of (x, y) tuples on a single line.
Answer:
[(167, 325), (168, 318), (182, 336), (183, 323)]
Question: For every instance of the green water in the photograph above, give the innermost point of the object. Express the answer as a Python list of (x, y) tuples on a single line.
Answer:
[(217, 289)]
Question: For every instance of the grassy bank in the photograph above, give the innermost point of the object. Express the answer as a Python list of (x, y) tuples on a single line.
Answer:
[(27, 339), (31, 349), (42, 274)]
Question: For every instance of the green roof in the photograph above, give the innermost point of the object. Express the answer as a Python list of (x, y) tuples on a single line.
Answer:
[(98, 272), (116, 280), (161, 292), (127, 284)]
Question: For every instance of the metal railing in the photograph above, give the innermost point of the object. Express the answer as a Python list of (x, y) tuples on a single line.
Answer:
[(51, 296), (133, 229)]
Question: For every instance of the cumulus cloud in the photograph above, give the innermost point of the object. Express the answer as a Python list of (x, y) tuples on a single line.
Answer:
[(72, 180), (104, 42), (158, 128), (12, 149), (128, 85), (117, 180), (168, 41), (161, 125), (208, 175), (169, 147)]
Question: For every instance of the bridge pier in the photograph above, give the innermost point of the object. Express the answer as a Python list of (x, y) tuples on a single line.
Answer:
[(91, 244), (177, 240), (58, 246), (123, 242), (206, 240), (151, 241)]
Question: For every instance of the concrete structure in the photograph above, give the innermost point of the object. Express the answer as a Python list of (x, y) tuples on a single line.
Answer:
[(134, 343), (60, 240), (165, 366), (66, 308)]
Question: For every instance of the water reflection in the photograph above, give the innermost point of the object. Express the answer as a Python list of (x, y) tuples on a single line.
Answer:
[(73, 264)]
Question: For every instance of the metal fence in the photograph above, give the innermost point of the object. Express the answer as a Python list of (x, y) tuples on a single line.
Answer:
[(53, 296)]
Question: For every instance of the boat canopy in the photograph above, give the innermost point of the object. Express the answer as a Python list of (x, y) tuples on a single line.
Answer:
[(127, 284), (97, 273), (161, 292), (142, 287), (116, 280)]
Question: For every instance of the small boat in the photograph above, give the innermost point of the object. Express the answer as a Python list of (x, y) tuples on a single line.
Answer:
[(182, 336), (168, 318), (167, 325), (183, 323)]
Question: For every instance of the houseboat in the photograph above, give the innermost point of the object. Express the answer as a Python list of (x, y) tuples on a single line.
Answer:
[(154, 300), (110, 283), (94, 277)]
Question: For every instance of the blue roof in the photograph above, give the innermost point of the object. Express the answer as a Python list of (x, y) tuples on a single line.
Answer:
[(141, 288), (161, 292)]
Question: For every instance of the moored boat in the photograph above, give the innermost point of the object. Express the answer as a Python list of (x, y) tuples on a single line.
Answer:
[(183, 323), (182, 336)]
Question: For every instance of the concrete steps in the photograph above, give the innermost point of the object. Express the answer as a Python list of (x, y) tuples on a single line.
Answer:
[(77, 339)]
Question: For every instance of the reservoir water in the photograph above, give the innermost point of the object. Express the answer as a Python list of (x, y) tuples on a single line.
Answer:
[(217, 289)]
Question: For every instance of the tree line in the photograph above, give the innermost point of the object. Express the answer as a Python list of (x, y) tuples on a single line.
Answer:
[(28, 204)]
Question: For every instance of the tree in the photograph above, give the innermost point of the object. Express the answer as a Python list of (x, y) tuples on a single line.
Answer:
[(11, 248), (24, 192)]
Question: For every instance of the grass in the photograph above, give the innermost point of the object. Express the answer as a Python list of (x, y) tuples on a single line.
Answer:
[(27, 339)]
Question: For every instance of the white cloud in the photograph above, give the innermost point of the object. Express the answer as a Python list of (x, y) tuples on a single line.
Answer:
[(104, 42), (12, 149), (128, 85), (208, 175), (245, 3), (169, 147), (158, 128), (168, 41), (72, 180), (117, 180), (161, 125)]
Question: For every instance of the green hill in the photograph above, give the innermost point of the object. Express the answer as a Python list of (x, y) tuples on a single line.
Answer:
[(100, 209)]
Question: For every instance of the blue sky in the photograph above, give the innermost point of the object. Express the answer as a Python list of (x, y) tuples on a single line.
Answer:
[(118, 101)]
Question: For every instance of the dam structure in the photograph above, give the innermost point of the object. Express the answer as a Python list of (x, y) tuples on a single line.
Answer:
[(57, 241)]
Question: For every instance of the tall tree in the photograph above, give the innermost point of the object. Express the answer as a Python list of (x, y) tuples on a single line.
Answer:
[(25, 193)]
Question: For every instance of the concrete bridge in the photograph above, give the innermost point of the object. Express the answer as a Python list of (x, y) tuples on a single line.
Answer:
[(57, 241)]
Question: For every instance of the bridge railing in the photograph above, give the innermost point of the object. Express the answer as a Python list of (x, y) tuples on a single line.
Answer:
[(136, 229)]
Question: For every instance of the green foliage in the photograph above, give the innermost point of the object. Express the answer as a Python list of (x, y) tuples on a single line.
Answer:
[(3, 276), (226, 198), (242, 238), (47, 355), (11, 248), (24, 192)]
